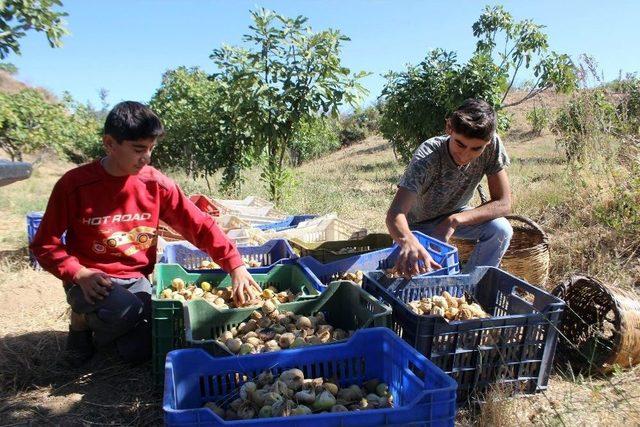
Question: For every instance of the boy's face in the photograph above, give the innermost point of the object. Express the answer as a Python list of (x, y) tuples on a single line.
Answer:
[(463, 149), (128, 157)]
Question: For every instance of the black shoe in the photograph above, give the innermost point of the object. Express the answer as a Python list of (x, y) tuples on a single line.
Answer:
[(135, 346), (79, 348)]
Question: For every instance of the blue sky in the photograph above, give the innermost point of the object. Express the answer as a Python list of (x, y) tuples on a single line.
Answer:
[(125, 46)]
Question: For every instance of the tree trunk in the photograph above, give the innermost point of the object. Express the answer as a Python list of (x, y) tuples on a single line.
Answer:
[(274, 172)]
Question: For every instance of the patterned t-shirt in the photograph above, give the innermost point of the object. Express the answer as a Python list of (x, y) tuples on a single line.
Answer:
[(442, 186)]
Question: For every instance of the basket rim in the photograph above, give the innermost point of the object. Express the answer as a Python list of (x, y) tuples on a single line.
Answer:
[(576, 279)]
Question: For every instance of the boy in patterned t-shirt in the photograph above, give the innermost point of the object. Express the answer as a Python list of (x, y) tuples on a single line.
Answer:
[(435, 190)]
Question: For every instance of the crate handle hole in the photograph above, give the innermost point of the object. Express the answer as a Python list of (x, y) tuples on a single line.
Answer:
[(416, 371), (523, 294), (435, 248)]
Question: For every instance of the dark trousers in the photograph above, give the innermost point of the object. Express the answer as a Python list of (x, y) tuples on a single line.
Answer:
[(123, 317)]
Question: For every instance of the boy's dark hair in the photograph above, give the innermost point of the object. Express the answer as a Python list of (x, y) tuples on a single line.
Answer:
[(132, 121), (474, 119)]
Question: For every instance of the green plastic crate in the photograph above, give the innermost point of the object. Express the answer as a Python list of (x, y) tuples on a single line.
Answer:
[(344, 304), (167, 317), (340, 249)]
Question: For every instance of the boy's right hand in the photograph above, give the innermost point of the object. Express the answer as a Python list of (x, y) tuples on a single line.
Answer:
[(95, 284), (414, 259)]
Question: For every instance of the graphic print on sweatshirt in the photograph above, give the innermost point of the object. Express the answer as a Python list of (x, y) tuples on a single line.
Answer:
[(117, 240)]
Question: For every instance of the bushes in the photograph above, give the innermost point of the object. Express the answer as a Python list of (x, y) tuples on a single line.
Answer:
[(322, 135), (316, 136), (581, 122), (29, 122), (622, 211), (418, 101), (539, 118), (629, 107), (360, 124)]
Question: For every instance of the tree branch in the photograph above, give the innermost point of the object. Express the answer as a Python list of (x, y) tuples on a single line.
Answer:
[(531, 94), (513, 78)]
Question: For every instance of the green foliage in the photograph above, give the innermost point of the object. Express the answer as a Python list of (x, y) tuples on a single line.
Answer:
[(417, 101), (19, 16), (355, 127), (8, 67), (83, 133), (185, 101), (629, 106), (287, 74), (503, 120), (581, 122), (539, 118), (315, 137), (28, 122), (525, 46)]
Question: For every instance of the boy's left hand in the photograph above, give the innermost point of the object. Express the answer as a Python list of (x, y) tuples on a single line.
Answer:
[(446, 228), (243, 284)]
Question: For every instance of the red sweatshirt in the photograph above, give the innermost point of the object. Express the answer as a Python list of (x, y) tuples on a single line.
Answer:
[(111, 224)]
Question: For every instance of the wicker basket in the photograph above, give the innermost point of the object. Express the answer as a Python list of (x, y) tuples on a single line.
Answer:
[(528, 253), (600, 327)]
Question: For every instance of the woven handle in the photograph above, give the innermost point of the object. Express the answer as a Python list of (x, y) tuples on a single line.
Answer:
[(527, 221), (531, 223)]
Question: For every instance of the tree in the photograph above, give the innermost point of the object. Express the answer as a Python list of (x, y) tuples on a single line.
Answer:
[(81, 138), (291, 74), (28, 123), (416, 102), (19, 16), (204, 130), (525, 46)]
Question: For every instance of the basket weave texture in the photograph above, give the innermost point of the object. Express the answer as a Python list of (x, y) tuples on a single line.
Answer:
[(528, 254), (600, 327)]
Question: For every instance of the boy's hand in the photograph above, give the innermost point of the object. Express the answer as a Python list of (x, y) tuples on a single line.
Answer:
[(95, 284), (446, 228), (243, 284), (408, 262)]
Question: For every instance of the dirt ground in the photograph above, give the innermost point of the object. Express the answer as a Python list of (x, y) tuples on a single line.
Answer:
[(37, 386)]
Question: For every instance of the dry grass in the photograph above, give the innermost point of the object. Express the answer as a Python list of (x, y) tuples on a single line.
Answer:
[(567, 402)]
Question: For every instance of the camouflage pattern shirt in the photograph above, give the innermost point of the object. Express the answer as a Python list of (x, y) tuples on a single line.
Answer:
[(442, 187)]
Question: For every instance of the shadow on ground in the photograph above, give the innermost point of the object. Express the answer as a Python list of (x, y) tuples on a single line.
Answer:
[(38, 387)]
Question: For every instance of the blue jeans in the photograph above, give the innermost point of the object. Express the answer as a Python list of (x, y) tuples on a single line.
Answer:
[(492, 240)]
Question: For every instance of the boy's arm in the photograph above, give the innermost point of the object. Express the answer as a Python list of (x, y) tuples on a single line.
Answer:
[(52, 255), (199, 228), (47, 246), (411, 251), (498, 206)]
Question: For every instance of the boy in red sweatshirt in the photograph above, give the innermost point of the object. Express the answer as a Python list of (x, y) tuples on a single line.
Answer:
[(110, 209)]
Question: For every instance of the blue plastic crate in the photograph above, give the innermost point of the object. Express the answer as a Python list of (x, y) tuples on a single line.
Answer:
[(513, 348), (190, 257), (423, 394), (33, 222), (444, 254), (289, 222)]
